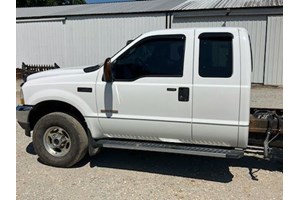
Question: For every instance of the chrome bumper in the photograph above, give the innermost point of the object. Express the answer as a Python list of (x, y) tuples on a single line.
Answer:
[(22, 117)]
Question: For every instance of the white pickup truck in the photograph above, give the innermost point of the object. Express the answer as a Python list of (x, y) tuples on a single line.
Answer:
[(178, 91)]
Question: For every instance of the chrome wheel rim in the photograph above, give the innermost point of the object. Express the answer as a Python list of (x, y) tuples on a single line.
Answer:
[(57, 141)]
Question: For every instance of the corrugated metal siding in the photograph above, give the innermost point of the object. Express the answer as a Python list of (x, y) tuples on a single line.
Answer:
[(256, 26), (210, 4), (81, 40), (91, 40), (40, 43), (101, 8), (274, 51)]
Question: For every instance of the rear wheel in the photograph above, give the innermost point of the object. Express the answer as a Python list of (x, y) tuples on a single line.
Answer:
[(59, 140)]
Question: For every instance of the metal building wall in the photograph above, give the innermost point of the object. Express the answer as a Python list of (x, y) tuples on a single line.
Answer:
[(89, 40), (256, 26), (40, 42), (274, 51), (82, 40)]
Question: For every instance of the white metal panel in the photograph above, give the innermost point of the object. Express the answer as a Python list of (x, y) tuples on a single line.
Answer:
[(216, 101), (274, 51), (40, 42), (63, 88), (256, 26), (245, 94), (89, 40), (146, 104)]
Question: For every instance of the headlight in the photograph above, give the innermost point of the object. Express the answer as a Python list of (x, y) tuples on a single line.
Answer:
[(22, 102)]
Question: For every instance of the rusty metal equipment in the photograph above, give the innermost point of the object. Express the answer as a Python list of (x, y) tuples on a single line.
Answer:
[(266, 129), (31, 69)]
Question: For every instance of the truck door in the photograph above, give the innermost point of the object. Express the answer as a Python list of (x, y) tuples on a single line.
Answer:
[(216, 88), (150, 97)]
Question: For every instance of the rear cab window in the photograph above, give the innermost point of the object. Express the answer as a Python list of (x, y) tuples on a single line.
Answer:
[(216, 55)]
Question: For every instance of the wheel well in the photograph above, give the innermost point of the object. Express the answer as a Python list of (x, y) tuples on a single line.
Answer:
[(46, 107)]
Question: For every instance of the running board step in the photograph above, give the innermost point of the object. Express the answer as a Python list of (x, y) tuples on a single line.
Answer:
[(171, 148)]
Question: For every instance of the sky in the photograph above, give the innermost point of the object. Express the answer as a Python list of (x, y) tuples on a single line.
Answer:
[(99, 1)]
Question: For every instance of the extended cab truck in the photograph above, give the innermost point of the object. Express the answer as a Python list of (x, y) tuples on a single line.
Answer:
[(179, 91)]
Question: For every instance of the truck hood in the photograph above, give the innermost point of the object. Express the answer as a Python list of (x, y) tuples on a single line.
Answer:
[(63, 72)]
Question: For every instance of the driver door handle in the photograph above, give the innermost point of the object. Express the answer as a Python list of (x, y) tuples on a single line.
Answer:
[(171, 89)]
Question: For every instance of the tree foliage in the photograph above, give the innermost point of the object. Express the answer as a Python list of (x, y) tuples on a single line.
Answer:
[(34, 3)]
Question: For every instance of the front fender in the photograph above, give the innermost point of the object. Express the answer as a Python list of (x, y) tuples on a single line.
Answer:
[(85, 102)]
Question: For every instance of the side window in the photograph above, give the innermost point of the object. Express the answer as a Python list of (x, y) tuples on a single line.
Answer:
[(159, 56), (216, 57)]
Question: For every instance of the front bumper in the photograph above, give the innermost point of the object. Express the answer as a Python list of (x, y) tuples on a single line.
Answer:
[(22, 117)]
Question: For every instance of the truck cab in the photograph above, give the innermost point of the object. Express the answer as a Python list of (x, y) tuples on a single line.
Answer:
[(186, 86), (172, 87)]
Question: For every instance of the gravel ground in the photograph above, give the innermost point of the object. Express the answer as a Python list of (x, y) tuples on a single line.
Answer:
[(266, 97), (124, 174)]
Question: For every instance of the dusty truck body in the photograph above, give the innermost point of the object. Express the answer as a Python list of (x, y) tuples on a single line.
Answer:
[(179, 91)]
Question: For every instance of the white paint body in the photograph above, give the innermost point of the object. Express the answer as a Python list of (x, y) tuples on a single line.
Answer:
[(217, 112)]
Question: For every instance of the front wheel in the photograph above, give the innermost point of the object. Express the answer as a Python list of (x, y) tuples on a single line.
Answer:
[(59, 140)]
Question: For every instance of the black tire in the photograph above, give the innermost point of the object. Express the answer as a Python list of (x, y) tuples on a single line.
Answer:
[(76, 136)]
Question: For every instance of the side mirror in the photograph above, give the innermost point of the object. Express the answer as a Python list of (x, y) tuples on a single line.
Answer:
[(107, 70)]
